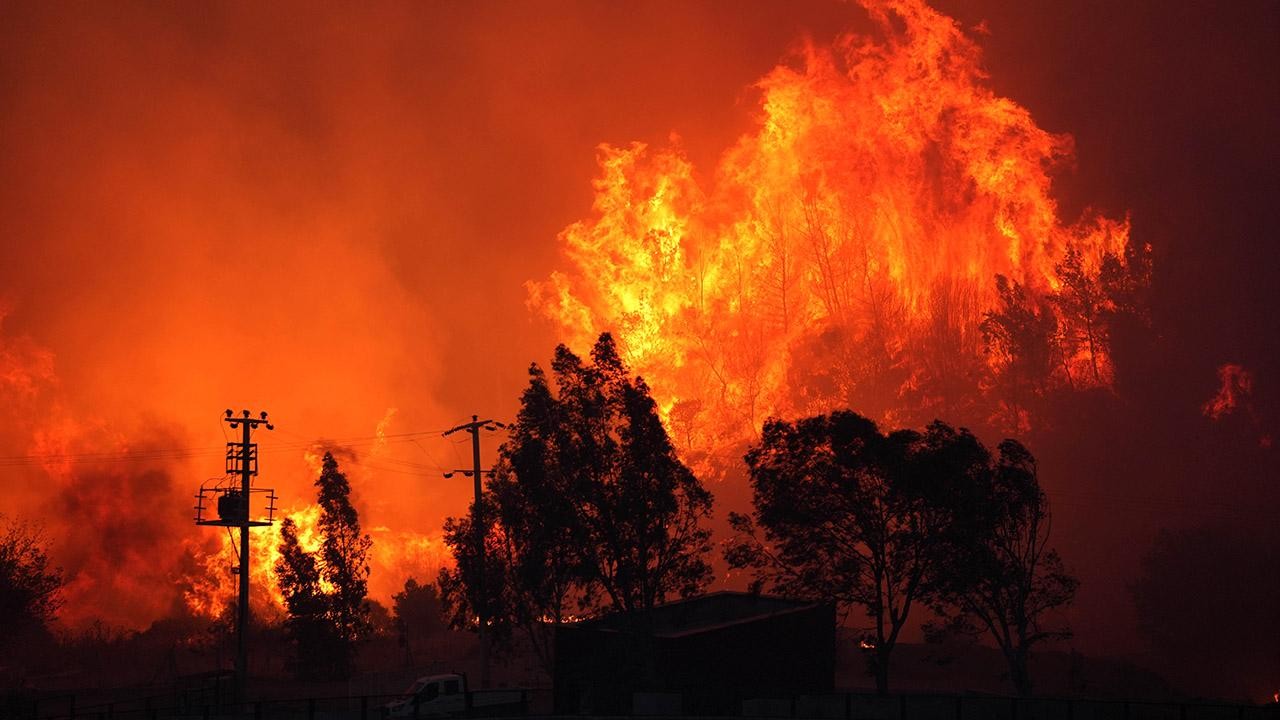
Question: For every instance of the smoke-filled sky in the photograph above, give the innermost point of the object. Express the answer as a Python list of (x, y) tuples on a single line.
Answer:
[(331, 213)]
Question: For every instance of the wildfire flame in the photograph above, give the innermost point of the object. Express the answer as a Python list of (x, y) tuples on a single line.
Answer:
[(844, 253), (395, 556), (1233, 393)]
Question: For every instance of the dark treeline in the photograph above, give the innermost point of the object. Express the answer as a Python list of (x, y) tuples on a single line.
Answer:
[(589, 510), (888, 522)]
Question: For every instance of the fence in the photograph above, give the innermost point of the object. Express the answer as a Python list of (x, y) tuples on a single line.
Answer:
[(538, 703), (210, 707), (864, 706)]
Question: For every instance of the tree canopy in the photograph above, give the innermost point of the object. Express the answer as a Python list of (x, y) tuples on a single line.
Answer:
[(1004, 579), (29, 583), (884, 521), (325, 592), (417, 618), (588, 507)]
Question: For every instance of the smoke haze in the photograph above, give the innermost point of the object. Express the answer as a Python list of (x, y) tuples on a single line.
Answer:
[(331, 214)]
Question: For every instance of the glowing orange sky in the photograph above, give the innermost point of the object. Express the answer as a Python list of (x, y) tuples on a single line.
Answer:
[(333, 214)]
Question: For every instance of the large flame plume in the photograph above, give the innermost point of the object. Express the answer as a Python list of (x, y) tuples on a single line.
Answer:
[(846, 251)]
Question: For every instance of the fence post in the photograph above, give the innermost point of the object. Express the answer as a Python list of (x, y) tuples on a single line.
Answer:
[(311, 709), (1013, 708), (257, 710), (364, 707), (205, 712), (848, 706), (902, 707), (959, 707)]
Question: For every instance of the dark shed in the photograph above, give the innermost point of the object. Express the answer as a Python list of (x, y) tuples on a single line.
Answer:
[(712, 651)]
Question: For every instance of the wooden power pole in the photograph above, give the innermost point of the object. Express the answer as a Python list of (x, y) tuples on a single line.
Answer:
[(478, 529)]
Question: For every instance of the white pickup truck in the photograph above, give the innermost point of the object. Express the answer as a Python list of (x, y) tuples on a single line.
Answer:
[(447, 694)]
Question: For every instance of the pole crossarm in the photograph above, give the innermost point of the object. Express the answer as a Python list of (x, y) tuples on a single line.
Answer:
[(475, 473), (242, 460), (467, 473), (475, 425)]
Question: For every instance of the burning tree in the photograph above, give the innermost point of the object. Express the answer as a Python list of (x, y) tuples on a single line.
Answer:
[(858, 516), (1019, 336), (325, 591), (588, 508), (846, 252)]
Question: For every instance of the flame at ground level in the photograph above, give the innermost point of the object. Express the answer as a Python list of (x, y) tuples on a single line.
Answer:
[(395, 556)]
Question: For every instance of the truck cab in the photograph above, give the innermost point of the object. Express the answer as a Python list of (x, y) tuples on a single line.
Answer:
[(432, 695)]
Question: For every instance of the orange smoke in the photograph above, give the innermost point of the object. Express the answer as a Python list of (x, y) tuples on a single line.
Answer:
[(844, 252), (114, 497)]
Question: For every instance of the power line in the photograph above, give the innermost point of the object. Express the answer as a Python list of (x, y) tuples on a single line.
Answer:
[(473, 428), (185, 453)]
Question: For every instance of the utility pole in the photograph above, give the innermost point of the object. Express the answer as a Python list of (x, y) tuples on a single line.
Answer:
[(242, 457), (477, 527), (232, 492)]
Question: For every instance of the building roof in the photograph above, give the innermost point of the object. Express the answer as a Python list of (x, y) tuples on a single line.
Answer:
[(703, 613)]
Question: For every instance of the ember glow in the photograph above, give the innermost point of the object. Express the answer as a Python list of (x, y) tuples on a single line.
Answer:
[(1233, 395), (844, 252)]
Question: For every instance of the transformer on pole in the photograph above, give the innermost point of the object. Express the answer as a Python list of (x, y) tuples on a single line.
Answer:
[(232, 495)]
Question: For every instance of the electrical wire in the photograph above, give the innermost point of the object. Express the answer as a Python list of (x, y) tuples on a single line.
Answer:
[(184, 453)]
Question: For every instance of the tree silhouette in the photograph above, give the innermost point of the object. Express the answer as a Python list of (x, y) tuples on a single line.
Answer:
[(1206, 597), (344, 552), (307, 623), (29, 585), (1083, 307), (325, 592), (465, 597), (418, 616), (1019, 338), (857, 516), (1002, 578), (534, 487), (1126, 281), (640, 506), (588, 507)]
